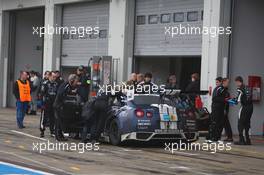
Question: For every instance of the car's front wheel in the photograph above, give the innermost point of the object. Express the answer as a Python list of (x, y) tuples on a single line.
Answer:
[(114, 133)]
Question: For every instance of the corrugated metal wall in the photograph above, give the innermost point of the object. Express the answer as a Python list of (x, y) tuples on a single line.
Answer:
[(247, 56), (76, 50), (150, 39)]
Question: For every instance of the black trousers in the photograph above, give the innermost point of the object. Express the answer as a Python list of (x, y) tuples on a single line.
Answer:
[(95, 119), (47, 115), (58, 124), (216, 123), (245, 114), (101, 108), (227, 127)]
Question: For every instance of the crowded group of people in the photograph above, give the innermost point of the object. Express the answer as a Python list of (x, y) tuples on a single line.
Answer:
[(30, 89), (52, 91), (171, 83), (221, 100)]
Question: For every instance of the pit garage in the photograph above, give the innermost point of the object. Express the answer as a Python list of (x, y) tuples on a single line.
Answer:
[(78, 48), (160, 53), (25, 51), (247, 55)]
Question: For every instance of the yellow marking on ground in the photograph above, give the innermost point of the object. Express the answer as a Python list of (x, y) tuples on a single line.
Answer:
[(8, 141), (21, 147), (75, 168)]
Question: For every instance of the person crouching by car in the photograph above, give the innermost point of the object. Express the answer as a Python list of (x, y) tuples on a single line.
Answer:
[(48, 91), (21, 92), (65, 92), (95, 113)]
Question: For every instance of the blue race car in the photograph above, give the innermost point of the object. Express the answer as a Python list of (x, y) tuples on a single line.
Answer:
[(151, 117)]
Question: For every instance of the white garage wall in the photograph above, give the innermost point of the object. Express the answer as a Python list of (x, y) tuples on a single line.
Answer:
[(78, 51), (150, 39), (247, 54)]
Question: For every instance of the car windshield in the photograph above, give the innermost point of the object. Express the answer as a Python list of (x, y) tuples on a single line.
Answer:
[(146, 99)]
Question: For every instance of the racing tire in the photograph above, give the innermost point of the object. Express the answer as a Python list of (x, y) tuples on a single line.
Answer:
[(114, 133)]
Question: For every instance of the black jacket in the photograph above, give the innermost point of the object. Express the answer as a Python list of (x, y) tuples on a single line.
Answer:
[(227, 96), (193, 86), (64, 90), (84, 88), (218, 97), (48, 91), (244, 96)]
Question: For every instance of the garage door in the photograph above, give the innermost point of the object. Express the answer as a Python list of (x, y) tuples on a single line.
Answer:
[(153, 17), (78, 48)]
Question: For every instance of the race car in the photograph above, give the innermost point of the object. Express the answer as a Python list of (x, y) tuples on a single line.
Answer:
[(148, 117)]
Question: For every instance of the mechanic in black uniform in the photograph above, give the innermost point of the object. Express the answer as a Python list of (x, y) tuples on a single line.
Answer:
[(59, 79), (83, 84), (48, 91), (244, 96), (65, 92), (96, 112), (43, 80), (218, 107)]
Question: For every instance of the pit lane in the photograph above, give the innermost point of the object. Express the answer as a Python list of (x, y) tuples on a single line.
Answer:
[(134, 158)]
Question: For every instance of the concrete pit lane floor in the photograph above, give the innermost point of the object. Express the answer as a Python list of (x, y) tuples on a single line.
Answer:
[(16, 148)]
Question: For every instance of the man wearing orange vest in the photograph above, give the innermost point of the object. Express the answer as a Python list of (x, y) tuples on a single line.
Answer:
[(21, 91)]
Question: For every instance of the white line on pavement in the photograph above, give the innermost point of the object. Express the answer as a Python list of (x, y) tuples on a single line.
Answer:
[(188, 169), (180, 167), (131, 150), (28, 135)]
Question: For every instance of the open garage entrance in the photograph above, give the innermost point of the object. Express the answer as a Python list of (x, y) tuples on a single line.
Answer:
[(162, 67), (25, 49), (163, 54)]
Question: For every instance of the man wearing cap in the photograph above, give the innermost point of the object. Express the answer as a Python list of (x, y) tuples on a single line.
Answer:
[(83, 84), (21, 91)]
